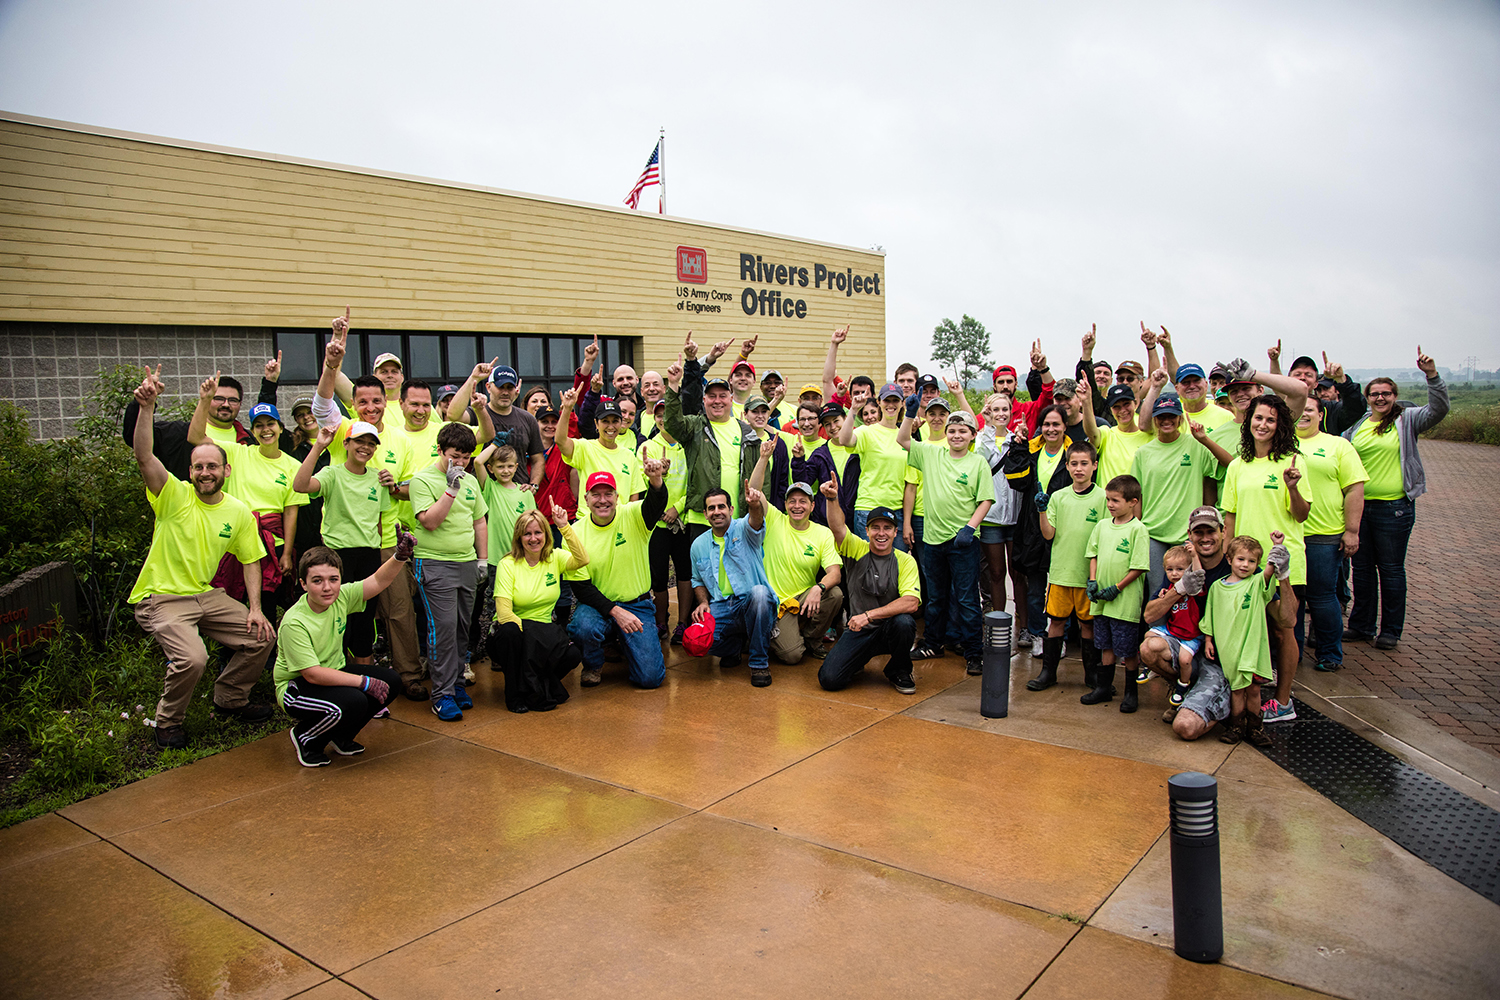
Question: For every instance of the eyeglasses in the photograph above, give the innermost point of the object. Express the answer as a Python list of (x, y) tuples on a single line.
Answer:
[(226, 399), (1379, 395)]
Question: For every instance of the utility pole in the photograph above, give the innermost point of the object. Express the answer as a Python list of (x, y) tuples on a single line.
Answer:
[(1471, 362)]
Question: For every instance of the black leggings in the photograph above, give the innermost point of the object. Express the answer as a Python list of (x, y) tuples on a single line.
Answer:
[(359, 563), (535, 657), (674, 548), (328, 712)]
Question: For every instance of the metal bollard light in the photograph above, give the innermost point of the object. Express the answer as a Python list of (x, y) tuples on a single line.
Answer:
[(994, 691), (1197, 886)]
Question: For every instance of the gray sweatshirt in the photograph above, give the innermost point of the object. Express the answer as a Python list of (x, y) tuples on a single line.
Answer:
[(1413, 420)]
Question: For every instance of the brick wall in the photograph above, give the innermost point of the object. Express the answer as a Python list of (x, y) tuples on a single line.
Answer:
[(45, 368)]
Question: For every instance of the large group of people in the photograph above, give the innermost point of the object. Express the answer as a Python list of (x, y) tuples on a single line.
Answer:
[(1173, 520)]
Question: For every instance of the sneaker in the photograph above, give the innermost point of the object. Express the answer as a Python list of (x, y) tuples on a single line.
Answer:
[(817, 650), (923, 650), (1170, 713), (1386, 641), (831, 635), (760, 677), (446, 708), (170, 737), (1179, 692), (1143, 675), (382, 713), (1328, 668), (306, 757), (1036, 644), (663, 633), (677, 635), (348, 748), (1274, 711), (974, 666), (590, 677), (461, 698), (902, 683), (250, 715)]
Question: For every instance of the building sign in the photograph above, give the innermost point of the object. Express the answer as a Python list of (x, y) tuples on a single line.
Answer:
[(784, 287)]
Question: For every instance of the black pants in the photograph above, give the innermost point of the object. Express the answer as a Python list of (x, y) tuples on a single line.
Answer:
[(359, 563), (535, 657), (855, 649), (325, 712), (670, 550)]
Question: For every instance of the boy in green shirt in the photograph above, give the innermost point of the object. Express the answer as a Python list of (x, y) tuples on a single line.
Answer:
[(1119, 553), (1067, 520)]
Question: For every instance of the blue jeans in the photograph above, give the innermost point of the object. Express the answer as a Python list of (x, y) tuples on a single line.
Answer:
[(1380, 567), (916, 530), (1036, 602), (738, 619), (642, 649), (1322, 603), (858, 524), (953, 589)]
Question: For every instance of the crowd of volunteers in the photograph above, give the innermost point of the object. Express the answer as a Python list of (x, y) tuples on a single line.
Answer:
[(1202, 523)]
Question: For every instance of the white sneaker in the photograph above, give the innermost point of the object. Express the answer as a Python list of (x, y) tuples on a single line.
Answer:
[(1036, 644)]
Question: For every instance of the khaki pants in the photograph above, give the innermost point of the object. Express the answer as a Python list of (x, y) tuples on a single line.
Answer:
[(396, 611), (176, 623), (793, 632)]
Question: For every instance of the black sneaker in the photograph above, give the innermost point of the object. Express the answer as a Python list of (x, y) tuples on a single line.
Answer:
[(974, 666), (249, 714), (1352, 636), (308, 758), (348, 748), (924, 651), (903, 683), (760, 677), (171, 737)]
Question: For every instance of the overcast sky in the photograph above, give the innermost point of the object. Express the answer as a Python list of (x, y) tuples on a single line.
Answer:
[(1321, 171)]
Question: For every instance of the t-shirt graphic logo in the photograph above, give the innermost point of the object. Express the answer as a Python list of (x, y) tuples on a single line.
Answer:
[(390, 457), (1186, 459), (340, 623), (520, 506), (807, 550), (281, 479), (1245, 603), (1320, 453), (551, 579), (619, 539), (1092, 517), (1273, 482), (226, 531), (963, 479), (374, 497), (1124, 545)]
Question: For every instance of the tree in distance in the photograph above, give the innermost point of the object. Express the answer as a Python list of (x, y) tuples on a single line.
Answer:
[(963, 347)]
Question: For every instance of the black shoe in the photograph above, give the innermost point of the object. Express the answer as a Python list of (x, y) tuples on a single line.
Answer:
[(974, 666), (924, 651), (1352, 636), (1130, 702), (760, 677), (348, 748), (308, 758), (730, 661), (902, 683), (817, 650), (250, 715), (416, 692), (1386, 641), (590, 677), (171, 737)]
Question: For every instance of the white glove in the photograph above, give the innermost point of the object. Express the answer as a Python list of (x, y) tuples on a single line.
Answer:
[(481, 570), (1191, 583), (1280, 560)]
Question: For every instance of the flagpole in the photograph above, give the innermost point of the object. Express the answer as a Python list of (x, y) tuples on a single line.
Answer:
[(661, 166)]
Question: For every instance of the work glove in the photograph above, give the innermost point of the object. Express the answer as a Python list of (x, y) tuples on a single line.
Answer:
[(455, 476), (376, 688), (1107, 594), (1239, 370), (964, 538), (1191, 583), (1280, 560), (481, 571), (912, 402), (1041, 501), (1092, 589), (406, 544)]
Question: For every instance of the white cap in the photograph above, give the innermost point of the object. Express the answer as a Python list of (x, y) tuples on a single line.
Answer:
[(382, 359), (360, 428)]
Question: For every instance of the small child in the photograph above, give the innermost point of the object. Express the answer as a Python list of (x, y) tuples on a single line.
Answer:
[(1119, 552), (505, 501), (1175, 640), (1234, 622), (1068, 520)]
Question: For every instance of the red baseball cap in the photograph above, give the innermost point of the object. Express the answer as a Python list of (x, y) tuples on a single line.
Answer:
[(1004, 368), (742, 364), (698, 638), (600, 479)]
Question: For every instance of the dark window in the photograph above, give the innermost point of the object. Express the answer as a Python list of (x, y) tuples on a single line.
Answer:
[(426, 356), (496, 348), (460, 357), (560, 357), (528, 356), (548, 361), (378, 344), (301, 356)]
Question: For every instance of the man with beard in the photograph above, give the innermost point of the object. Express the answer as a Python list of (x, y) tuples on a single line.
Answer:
[(174, 600)]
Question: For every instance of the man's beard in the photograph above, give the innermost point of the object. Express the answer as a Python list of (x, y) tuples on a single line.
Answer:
[(217, 484)]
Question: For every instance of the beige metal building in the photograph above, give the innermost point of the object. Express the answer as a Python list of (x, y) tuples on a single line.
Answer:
[(120, 248)]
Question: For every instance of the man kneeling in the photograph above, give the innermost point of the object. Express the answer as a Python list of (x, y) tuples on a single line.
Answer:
[(729, 580), (329, 703)]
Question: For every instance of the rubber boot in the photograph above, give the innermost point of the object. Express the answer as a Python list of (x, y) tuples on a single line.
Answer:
[(1129, 703), (1103, 688), (1051, 654)]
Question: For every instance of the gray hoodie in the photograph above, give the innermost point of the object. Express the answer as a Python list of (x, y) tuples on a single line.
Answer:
[(1411, 421)]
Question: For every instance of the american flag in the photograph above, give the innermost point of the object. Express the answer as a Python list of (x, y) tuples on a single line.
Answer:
[(651, 175)]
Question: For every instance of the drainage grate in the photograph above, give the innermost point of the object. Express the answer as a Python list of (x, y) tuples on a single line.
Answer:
[(1436, 822)]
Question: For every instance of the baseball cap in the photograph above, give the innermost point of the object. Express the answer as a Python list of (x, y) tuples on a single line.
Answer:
[(773, 373), (1064, 388), (816, 390), (1302, 362), (1005, 370), (360, 428), (1134, 367), (755, 402), (444, 391), (1119, 394), (659, 404), (742, 364), (938, 401), (1219, 371), (503, 374), (600, 479), (1167, 403), (1188, 370), (879, 513), (802, 488), (892, 389), (383, 358), (963, 417), (1100, 362), (546, 415), (927, 382), (698, 638), (1205, 515), (1323, 383), (831, 410), (301, 402), (715, 381), (607, 408), (264, 410)]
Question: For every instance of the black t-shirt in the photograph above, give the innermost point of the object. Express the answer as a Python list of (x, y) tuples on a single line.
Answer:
[(520, 430), (1211, 574)]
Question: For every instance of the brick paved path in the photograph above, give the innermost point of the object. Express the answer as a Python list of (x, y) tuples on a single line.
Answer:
[(1445, 667)]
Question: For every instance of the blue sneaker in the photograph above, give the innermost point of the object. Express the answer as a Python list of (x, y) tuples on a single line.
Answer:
[(446, 708), (461, 697), (1274, 711)]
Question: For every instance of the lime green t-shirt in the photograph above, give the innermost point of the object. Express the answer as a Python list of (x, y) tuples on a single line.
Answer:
[(453, 540), (840, 456), (795, 560), (1210, 416), (882, 468), (533, 590), (908, 581), (1171, 477), (393, 454), (589, 457), (1046, 464), (677, 473), (953, 488), (424, 451), (222, 436), (1235, 616), (265, 484), (189, 539), (1117, 450), (1120, 548), (619, 561), (1227, 436), (1381, 455), (727, 436), (353, 507), (914, 478), (1073, 516), (1329, 465), (503, 506), (1256, 495), (307, 638)]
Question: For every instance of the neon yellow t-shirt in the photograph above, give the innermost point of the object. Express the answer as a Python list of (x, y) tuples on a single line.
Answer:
[(393, 454), (1228, 436), (908, 581), (1210, 416), (1329, 465), (307, 638), (840, 456), (189, 539), (794, 559), (619, 562), (727, 436), (1073, 517), (265, 484), (353, 507), (424, 451), (1120, 548), (1256, 495), (504, 506), (224, 436), (1117, 450), (533, 590), (677, 473), (1381, 455), (882, 468), (589, 457), (453, 540), (914, 478), (954, 487)]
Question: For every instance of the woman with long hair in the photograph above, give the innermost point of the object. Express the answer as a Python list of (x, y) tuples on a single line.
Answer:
[(1262, 496), (1386, 440), (537, 399), (1032, 467), (997, 534)]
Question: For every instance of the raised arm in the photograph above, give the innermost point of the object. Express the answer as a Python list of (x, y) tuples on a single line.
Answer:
[(1423, 417), (303, 481), (835, 511), (846, 430), (1085, 394), (831, 362), (1273, 358), (197, 432), (903, 433), (758, 474), (1156, 382), (152, 471), (564, 442), (1148, 338), (463, 398), (755, 505), (1168, 355), (333, 360), (961, 397), (480, 472), (1200, 434), (390, 570)]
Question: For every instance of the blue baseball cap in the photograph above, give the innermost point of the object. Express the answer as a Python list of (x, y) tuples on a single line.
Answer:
[(1167, 403), (264, 410), (504, 374), (1188, 370)]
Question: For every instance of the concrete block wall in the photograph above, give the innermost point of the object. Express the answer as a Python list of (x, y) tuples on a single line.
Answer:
[(46, 368)]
